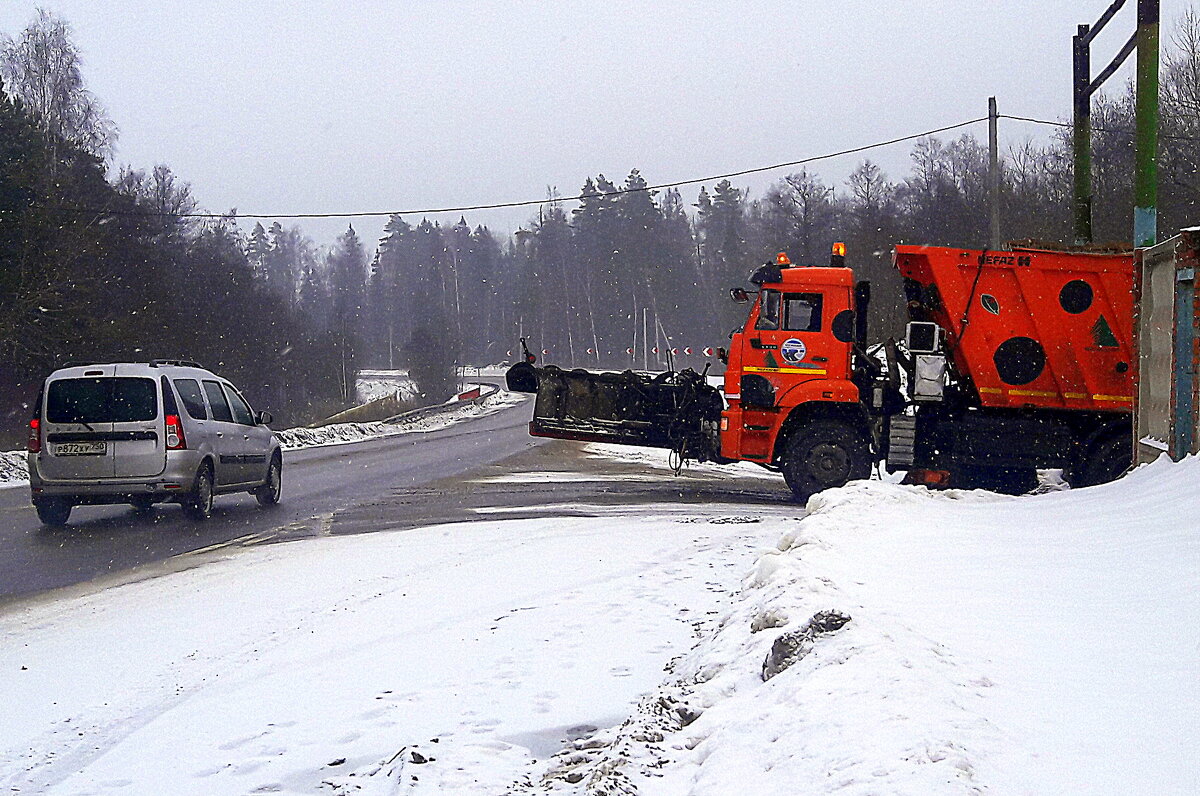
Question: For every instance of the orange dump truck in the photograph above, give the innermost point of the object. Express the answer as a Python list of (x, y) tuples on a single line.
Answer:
[(1012, 361)]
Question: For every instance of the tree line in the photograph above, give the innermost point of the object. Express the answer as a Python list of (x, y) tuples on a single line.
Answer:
[(97, 265)]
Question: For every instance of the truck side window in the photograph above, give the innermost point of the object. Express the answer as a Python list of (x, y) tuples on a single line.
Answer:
[(768, 312), (802, 312)]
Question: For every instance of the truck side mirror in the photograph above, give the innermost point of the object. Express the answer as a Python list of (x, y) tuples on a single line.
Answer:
[(739, 295)]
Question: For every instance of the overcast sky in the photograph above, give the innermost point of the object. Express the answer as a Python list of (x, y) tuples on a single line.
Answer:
[(296, 107)]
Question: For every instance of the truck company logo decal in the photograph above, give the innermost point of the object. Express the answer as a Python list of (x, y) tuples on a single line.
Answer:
[(1021, 261), (990, 303), (793, 350)]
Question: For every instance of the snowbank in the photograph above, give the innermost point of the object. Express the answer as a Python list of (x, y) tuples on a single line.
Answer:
[(342, 433), (13, 469), (1044, 644)]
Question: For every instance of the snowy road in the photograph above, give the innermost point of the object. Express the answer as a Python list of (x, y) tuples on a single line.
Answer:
[(318, 484)]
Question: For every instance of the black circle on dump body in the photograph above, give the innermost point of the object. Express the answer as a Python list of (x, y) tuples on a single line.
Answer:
[(1076, 296), (1020, 360), (843, 326)]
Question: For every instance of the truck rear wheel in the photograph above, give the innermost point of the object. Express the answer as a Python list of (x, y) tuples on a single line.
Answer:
[(1004, 480), (824, 454), (1105, 460)]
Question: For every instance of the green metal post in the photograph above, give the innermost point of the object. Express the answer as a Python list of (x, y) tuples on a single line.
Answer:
[(1145, 190), (1082, 138)]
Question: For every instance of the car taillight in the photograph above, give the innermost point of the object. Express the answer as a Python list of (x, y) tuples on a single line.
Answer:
[(175, 440), (35, 436)]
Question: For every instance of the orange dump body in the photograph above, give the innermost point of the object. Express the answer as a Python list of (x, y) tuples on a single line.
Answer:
[(1030, 328)]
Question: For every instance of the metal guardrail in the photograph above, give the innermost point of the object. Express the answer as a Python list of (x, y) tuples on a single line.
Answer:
[(429, 411)]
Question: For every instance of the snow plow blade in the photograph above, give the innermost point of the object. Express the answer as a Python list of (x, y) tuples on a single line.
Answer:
[(672, 410)]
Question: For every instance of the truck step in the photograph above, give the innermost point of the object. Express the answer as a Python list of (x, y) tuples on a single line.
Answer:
[(902, 436)]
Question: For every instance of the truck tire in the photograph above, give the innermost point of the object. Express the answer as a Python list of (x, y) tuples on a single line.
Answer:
[(53, 512), (824, 454), (1106, 459), (1004, 480)]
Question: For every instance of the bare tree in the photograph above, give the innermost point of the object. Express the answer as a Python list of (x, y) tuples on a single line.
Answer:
[(41, 67)]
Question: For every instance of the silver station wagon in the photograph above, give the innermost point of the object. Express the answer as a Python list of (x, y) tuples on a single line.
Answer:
[(145, 433)]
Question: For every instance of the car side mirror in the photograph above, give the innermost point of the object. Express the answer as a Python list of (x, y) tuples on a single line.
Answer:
[(263, 418)]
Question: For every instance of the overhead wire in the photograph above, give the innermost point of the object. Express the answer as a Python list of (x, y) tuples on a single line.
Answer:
[(419, 211), (536, 202), (1095, 128)]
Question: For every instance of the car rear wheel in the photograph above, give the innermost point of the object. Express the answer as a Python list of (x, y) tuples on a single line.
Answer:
[(53, 511), (142, 503), (199, 503), (268, 494)]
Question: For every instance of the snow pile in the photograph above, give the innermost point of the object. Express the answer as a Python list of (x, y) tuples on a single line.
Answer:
[(1043, 644), (373, 384), (13, 468), (342, 433)]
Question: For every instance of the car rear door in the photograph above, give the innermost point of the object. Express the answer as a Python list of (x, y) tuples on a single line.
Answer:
[(76, 424), (138, 430), (227, 439)]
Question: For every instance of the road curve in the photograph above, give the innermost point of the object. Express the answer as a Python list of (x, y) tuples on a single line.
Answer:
[(318, 482)]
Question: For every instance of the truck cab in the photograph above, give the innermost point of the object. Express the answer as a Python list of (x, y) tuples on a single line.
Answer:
[(790, 371)]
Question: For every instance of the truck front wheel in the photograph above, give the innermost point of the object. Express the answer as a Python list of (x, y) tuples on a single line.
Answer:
[(824, 454)]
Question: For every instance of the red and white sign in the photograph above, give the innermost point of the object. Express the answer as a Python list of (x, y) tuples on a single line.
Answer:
[(708, 352), (628, 350), (688, 351)]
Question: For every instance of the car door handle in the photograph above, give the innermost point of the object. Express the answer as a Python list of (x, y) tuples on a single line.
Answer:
[(820, 359)]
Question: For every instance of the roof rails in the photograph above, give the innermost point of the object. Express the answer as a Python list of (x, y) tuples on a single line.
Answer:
[(182, 363)]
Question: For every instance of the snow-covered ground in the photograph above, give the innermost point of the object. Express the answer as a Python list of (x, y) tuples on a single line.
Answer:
[(1044, 644)]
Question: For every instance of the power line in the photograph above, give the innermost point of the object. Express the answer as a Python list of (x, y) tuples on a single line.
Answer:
[(1071, 126), (535, 202)]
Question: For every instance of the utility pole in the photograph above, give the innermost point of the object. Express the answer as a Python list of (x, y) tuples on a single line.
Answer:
[(994, 170), (1145, 189), (1083, 87)]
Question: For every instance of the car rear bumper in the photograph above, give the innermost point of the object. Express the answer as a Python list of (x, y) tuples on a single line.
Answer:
[(175, 479)]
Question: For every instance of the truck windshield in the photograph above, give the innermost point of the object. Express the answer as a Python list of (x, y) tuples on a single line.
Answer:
[(101, 400), (768, 312)]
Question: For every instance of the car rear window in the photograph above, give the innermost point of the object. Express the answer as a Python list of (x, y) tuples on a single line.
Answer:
[(106, 399), (193, 401), (216, 400)]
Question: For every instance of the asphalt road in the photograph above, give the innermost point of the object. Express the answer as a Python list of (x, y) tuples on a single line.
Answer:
[(486, 468), (319, 484)]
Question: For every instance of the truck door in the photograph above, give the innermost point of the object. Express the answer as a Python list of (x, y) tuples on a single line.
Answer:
[(790, 339)]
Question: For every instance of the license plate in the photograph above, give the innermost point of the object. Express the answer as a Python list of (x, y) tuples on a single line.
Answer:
[(81, 449)]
